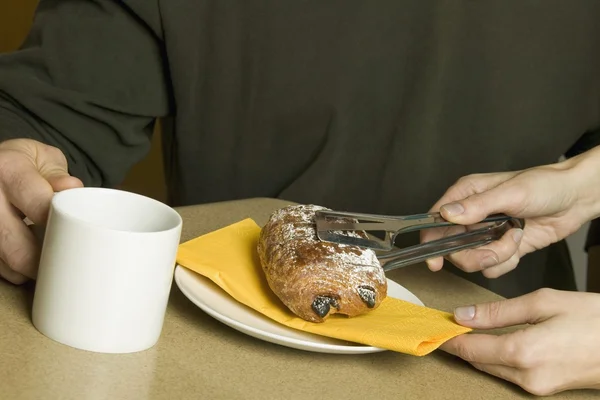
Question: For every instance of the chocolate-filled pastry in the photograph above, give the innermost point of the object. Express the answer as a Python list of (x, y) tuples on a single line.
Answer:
[(316, 279)]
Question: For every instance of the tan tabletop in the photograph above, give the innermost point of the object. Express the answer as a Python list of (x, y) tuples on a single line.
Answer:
[(197, 357)]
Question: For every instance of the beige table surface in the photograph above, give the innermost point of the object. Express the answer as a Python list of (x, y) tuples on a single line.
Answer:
[(197, 357)]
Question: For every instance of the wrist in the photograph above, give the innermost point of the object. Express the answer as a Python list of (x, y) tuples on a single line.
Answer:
[(584, 173)]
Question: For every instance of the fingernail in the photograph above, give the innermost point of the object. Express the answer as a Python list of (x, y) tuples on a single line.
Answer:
[(464, 313), (518, 235), (488, 262), (453, 209)]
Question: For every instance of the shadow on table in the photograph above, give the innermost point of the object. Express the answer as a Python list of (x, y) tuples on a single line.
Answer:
[(27, 297)]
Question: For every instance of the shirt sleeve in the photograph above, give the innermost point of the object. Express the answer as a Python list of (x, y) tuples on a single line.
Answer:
[(588, 141), (593, 235), (90, 79)]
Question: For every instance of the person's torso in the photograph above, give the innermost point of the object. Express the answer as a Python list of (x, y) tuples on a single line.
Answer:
[(375, 106)]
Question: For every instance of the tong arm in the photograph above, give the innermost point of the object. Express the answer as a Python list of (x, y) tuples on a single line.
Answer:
[(390, 223), (448, 245)]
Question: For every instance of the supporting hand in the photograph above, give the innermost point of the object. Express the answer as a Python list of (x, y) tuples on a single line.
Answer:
[(556, 352)]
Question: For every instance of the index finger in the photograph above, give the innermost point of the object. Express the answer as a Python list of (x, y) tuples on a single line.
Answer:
[(428, 235), (28, 191), (479, 348), (471, 184), (463, 188)]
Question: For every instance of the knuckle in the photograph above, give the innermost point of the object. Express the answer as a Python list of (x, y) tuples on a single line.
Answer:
[(469, 183), (17, 258), (16, 185), (470, 178), (522, 357), (511, 352), (462, 180), (534, 382), (506, 247), (545, 293), (10, 275), (463, 187), (542, 297), (55, 154), (521, 353)]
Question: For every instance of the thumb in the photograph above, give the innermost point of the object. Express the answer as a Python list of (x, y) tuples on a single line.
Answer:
[(531, 308), (30, 173), (53, 167), (61, 180), (505, 198)]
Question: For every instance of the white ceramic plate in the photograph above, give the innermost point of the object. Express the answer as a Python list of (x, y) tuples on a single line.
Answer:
[(217, 303)]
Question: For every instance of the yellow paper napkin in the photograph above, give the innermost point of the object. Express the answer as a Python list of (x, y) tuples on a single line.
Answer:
[(229, 258)]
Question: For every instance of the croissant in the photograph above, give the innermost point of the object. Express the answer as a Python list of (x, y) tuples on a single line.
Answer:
[(316, 279)]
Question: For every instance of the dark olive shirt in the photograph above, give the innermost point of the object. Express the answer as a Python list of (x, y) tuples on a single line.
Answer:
[(371, 106)]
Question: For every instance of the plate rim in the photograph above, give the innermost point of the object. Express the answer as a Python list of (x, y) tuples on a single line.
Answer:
[(281, 340)]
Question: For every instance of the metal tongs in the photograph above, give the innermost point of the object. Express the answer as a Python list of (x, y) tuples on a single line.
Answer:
[(330, 226)]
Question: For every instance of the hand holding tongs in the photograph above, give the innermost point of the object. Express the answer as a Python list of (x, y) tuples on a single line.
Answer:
[(330, 224)]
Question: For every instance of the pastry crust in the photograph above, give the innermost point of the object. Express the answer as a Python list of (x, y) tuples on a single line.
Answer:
[(316, 279)]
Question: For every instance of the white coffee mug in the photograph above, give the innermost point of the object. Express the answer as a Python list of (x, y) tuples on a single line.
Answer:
[(106, 270)]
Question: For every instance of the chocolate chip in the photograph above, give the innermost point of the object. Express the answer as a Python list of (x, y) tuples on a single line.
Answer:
[(322, 304), (367, 294)]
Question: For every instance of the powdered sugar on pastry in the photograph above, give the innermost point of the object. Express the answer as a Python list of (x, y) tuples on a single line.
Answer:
[(315, 279)]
